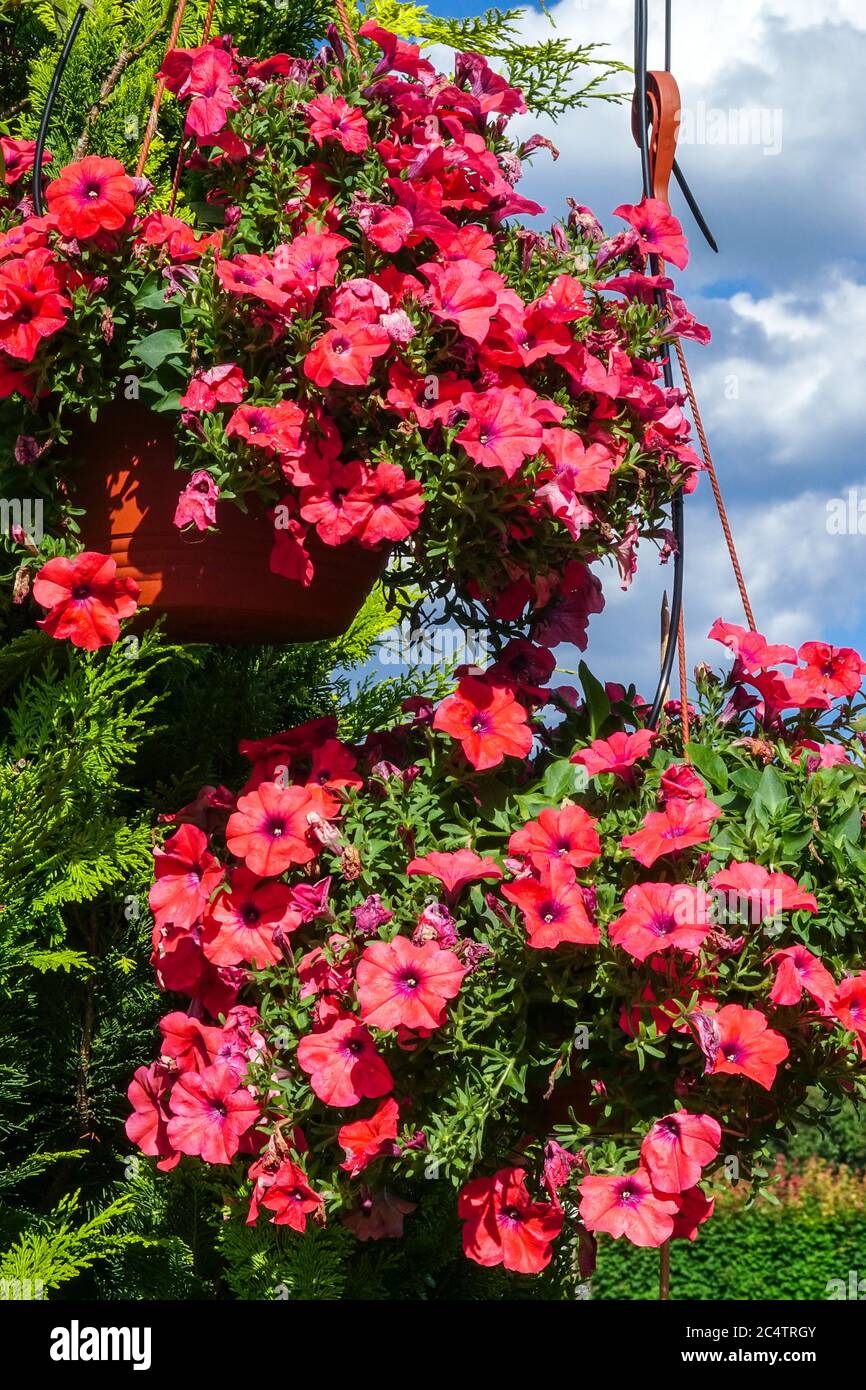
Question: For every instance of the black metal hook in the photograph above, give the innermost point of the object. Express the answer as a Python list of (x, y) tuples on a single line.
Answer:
[(36, 184)]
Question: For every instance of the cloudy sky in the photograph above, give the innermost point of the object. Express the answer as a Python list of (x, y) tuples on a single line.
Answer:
[(775, 102)]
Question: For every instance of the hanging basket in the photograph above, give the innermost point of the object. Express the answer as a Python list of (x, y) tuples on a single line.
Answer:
[(210, 587)]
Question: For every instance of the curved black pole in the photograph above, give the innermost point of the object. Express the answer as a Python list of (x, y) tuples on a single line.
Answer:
[(677, 519), (36, 185)]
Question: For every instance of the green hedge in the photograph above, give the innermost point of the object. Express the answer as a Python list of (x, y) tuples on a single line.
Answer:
[(742, 1255)]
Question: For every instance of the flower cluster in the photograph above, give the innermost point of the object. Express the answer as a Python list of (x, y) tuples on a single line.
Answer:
[(362, 335), (569, 966)]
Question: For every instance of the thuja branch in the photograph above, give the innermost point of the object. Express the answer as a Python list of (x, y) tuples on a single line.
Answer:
[(122, 62)]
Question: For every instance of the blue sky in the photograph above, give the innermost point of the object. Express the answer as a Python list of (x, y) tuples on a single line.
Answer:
[(775, 106)]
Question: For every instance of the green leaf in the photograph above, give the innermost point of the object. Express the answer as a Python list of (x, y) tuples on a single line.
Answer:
[(597, 703), (770, 795), (710, 764), (560, 779), (154, 349)]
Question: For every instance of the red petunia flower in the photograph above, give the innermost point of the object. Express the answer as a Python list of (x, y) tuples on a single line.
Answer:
[(196, 505), (210, 1113), (220, 385), (343, 1064), (487, 720), (588, 469), (310, 261), (681, 781), (32, 305), (455, 868), (503, 1225), (147, 1126), (388, 503), (828, 673), (617, 754), (285, 1191), (333, 766), (553, 907), (499, 434), (677, 1148), (345, 353), (18, 158), (388, 227), (694, 1209), (849, 1006), (568, 836), (680, 825), (92, 196), (329, 503), (753, 650), (333, 120), (366, 1140), (661, 916), (658, 231), (747, 1045), (240, 923), (627, 1206), (798, 970), (270, 830), (276, 428), (460, 293), (186, 875), (84, 598), (401, 985), (766, 894)]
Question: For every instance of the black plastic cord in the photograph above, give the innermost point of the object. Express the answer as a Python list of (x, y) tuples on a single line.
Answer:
[(641, 23), (36, 185)]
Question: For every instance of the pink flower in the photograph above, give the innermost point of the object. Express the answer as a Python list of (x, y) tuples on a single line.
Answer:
[(388, 227), (455, 868), (487, 720), (627, 1206), (210, 1113), (84, 598), (405, 986), (343, 1064), (378, 1216), (503, 1225), (241, 921), (270, 830), (389, 505), (766, 894), (224, 384), (499, 434), (658, 231), (661, 916), (459, 293), (680, 825), (186, 876), (332, 119), (196, 505), (345, 353), (748, 1046), (284, 1190), (553, 907), (617, 754), (797, 970), (677, 1148), (568, 836), (366, 1140)]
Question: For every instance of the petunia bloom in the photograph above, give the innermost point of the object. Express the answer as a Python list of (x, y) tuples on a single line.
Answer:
[(401, 985), (553, 907), (659, 917), (680, 825), (748, 1046), (84, 598), (455, 868), (91, 196), (210, 1113), (186, 875), (797, 970), (677, 1148), (366, 1140), (503, 1225), (343, 1064), (240, 923), (487, 720), (270, 830), (627, 1206), (617, 754), (568, 835)]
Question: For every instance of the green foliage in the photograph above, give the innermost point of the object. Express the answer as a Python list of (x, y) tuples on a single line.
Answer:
[(56, 1248)]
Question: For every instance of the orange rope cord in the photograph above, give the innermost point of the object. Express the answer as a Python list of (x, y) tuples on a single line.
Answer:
[(178, 168), (348, 31), (684, 684), (150, 128)]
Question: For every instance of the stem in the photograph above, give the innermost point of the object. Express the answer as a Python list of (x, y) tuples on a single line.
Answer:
[(665, 1270)]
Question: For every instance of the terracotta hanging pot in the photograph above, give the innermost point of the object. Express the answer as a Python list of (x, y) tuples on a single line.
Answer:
[(210, 587)]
